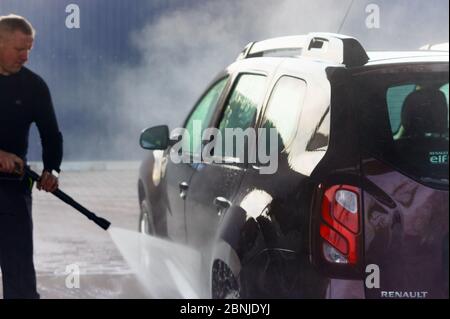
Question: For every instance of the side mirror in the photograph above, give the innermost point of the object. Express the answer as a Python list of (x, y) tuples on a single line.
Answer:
[(155, 138)]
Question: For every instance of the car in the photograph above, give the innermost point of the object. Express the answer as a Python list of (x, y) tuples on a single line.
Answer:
[(352, 200)]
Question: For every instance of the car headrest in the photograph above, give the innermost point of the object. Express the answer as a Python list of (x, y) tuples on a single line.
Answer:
[(425, 111)]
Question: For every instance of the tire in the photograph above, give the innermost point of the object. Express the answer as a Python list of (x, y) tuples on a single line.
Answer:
[(146, 221), (224, 284)]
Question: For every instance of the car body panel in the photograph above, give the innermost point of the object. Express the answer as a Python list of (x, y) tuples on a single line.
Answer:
[(268, 236), (176, 175), (407, 239)]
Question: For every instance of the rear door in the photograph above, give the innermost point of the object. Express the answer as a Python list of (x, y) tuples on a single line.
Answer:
[(404, 165)]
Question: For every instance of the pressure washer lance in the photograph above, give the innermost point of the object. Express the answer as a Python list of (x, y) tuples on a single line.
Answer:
[(103, 223)]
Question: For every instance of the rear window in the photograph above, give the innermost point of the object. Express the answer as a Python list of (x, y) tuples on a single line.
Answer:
[(405, 121), (395, 99)]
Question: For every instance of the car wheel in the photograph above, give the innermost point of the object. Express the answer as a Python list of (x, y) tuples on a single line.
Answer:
[(224, 284), (146, 224)]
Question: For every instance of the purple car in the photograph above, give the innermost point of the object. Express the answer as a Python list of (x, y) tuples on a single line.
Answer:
[(347, 197)]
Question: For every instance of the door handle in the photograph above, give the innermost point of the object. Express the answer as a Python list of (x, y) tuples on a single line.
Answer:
[(222, 204), (183, 189)]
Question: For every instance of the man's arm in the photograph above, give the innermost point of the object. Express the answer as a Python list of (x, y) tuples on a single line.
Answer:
[(51, 138)]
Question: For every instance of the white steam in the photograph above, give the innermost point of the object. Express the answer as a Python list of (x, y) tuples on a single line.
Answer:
[(183, 49)]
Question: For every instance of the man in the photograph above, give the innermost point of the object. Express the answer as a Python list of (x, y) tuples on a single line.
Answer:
[(24, 99)]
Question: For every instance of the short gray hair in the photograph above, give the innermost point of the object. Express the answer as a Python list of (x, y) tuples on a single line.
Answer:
[(12, 23)]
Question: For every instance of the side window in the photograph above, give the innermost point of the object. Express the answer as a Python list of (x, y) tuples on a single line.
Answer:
[(200, 118), (283, 111), (240, 111), (320, 138)]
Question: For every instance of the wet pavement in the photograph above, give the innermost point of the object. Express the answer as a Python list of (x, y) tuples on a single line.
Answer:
[(67, 243)]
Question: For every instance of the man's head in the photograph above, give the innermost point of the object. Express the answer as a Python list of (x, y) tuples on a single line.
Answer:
[(16, 41)]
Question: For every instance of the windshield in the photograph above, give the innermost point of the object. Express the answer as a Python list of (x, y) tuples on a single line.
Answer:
[(405, 118)]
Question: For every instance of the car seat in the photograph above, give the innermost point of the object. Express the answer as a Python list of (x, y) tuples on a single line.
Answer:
[(424, 114)]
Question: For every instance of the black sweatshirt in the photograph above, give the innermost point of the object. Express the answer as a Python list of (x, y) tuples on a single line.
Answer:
[(24, 99)]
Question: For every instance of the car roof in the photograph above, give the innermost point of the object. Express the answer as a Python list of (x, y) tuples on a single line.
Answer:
[(377, 58), (324, 50), (337, 50), (393, 57)]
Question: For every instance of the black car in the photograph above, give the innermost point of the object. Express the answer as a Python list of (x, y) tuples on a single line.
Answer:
[(357, 205)]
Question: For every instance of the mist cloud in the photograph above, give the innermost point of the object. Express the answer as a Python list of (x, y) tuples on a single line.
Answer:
[(184, 49), (129, 76)]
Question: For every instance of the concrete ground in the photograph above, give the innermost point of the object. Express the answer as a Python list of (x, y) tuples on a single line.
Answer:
[(67, 242)]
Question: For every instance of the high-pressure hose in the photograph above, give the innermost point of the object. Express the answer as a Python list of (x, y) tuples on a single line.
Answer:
[(103, 223)]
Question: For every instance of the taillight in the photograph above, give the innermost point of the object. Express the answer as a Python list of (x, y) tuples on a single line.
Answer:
[(341, 214)]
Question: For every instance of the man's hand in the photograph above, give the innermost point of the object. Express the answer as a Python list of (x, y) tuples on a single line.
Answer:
[(10, 163), (48, 182)]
